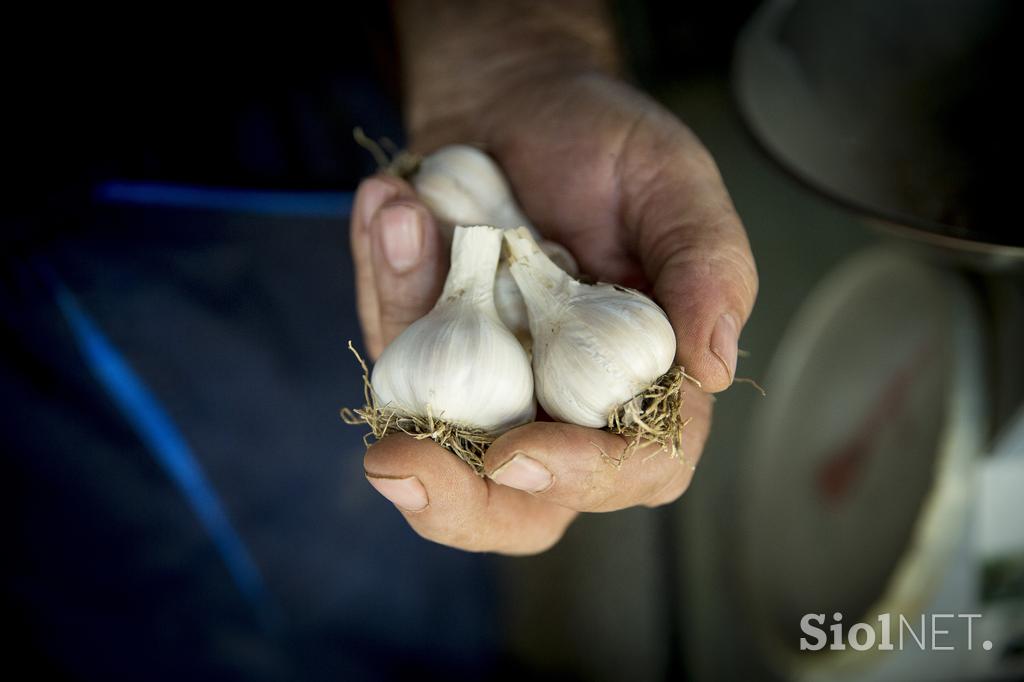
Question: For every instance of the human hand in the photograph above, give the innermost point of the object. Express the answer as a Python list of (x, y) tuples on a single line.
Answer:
[(630, 191)]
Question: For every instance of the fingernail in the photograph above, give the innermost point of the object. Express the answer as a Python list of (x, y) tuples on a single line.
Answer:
[(724, 340), (524, 473), (401, 236), (405, 493)]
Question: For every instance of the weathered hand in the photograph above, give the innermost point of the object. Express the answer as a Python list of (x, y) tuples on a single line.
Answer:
[(633, 194)]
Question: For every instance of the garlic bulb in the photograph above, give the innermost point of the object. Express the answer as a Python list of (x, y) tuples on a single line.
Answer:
[(459, 363), (462, 185), (595, 347)]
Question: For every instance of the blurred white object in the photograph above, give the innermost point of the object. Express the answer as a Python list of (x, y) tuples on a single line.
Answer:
[(868, 489)]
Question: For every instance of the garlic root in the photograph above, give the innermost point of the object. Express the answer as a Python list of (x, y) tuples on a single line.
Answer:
[(654, 416), (467, 444)]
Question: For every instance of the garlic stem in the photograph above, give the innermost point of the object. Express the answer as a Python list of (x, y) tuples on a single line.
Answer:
[(545, 282), (475, 253)]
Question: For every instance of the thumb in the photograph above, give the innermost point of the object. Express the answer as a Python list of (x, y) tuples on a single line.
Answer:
[(410, 262)]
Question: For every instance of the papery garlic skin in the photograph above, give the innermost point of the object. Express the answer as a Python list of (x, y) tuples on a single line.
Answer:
[(459, 363), (594, 346)]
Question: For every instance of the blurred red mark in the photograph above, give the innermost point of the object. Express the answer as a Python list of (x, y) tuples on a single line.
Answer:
[(846, 462)]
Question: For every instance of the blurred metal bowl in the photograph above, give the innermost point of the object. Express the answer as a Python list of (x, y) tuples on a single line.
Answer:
[(903, 110)]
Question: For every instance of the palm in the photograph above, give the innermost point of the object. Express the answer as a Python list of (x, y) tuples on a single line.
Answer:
[(571, 165)]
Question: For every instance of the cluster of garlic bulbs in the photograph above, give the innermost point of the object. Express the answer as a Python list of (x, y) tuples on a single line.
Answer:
[(595, 348)]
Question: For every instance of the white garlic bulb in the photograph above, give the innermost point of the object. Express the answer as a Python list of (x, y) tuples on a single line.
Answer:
[(459, 363), (595, 347), (462, 185)]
